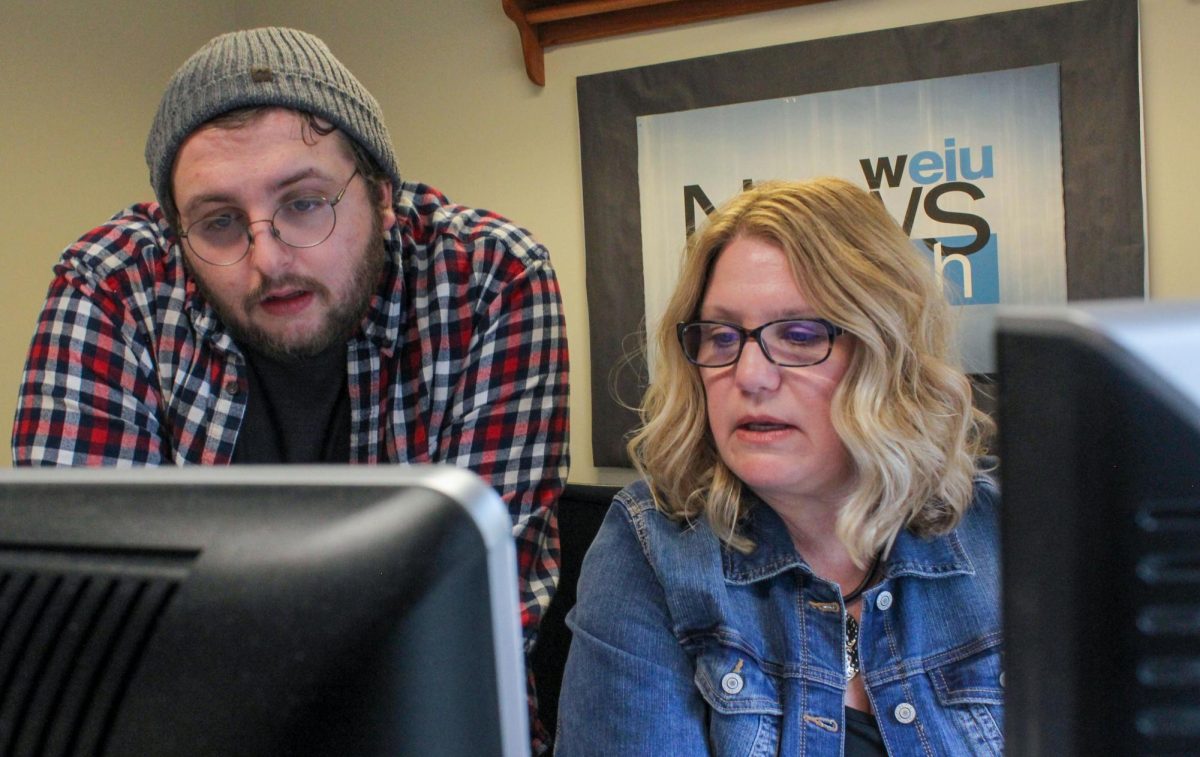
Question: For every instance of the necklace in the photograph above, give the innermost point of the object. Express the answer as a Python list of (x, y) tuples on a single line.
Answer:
[(852, 666)]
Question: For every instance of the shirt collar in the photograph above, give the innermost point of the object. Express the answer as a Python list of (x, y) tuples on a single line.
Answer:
[(198, 310), (911, 555), (385, 314), (384, 323), (933, 557)]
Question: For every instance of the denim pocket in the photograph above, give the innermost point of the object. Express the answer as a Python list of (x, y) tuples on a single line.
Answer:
[(971, 691), (974, 680), (743, 701)]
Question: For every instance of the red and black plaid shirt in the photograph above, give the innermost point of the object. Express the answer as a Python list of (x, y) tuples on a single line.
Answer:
[(462, 359)]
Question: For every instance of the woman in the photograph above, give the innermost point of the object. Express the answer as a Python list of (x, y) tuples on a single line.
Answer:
[(809, 565)]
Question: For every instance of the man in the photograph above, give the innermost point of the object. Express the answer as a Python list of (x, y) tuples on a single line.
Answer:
[(292, 299)]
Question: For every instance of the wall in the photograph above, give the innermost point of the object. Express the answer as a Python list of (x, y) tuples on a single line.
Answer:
[(79, 87), (79, 84)]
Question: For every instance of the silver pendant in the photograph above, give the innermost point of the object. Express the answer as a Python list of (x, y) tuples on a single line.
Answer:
[(851, 649)]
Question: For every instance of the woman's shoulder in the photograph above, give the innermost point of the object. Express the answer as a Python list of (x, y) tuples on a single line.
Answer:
[(979, 529), (985, 501), (637, 501), (641, 552), (664, 540)]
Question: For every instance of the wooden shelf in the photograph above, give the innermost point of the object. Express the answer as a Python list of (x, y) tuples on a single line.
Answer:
[(546, 23)]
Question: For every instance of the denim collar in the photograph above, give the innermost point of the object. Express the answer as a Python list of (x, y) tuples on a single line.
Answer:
[(911, 555)]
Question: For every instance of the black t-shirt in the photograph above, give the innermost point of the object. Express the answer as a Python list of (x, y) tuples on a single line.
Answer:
[(297, 412), (862, 735)]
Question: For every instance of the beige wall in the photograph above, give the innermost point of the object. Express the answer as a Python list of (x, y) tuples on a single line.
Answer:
[(78, 88)]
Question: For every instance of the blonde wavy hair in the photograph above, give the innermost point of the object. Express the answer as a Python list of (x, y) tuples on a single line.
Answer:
[(903, 409)]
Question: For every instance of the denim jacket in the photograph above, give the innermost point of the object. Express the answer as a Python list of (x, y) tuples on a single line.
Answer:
[(685, 647)]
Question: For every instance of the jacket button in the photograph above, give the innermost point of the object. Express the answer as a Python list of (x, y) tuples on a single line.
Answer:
[(732, 683), (905, 713), (884, 600)]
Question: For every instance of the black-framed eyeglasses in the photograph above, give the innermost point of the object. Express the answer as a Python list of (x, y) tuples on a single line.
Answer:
[(790, 343), (223, 238)]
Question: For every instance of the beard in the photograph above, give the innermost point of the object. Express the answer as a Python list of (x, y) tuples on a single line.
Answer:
[(342, 320)]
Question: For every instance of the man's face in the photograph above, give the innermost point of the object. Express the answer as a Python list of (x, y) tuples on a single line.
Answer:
[(284, 301)]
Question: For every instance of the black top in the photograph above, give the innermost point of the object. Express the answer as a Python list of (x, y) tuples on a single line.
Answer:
[(862, 735), (297, 411)]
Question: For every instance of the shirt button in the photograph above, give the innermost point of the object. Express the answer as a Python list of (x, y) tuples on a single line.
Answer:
[(232, 386), (1002, 680), (905, 713), (884, 600), (732, 683)]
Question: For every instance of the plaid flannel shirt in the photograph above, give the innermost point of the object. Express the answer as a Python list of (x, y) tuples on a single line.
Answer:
[(462, 359)]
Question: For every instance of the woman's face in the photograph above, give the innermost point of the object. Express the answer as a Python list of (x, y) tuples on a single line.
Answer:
[(772, 425)]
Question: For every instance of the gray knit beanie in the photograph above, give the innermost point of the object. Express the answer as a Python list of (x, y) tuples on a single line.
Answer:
[(271, 66)]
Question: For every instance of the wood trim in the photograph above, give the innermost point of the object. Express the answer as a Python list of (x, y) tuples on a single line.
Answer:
[(531, 46), (546, 23), (586, 8)]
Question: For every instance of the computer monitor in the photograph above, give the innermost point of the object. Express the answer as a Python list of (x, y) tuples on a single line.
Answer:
[(258, 611), (1099, 415)]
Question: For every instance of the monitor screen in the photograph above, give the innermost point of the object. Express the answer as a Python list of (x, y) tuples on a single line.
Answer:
[(258, 611), (1099, 415)]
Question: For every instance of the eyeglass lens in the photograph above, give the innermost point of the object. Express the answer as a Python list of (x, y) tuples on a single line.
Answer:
[(789, 343), (224, 236)]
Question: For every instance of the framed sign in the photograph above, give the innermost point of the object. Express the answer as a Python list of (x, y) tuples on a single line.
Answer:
[(1007, 145)]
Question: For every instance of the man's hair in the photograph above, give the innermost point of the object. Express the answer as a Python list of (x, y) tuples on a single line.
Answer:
[(903, 409), (312, 128)]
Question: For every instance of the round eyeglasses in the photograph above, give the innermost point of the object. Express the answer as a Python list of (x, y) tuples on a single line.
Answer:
[(790, 343), (223, 238)]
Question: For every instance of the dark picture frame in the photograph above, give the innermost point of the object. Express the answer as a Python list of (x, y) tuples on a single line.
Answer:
[(1094, 43)]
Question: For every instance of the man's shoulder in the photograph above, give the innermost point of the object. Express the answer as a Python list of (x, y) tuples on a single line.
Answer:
[(431, 222), (136, 241)]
